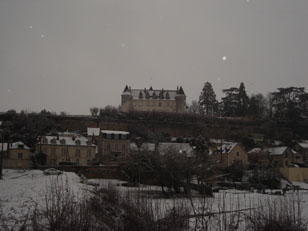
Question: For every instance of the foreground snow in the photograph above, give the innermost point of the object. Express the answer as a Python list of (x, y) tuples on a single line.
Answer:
[(22, 189)]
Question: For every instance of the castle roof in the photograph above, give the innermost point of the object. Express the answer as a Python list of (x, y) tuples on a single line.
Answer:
[(152, 93)]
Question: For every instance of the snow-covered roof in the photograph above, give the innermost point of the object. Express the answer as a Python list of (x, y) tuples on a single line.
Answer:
[(276, 150), (114, 132), (225, 148), (255, 150), (144, 147), (180, 147), (303, 144), (135, 93), (66, 140), (163, 148), (15, 145), (93, 131)]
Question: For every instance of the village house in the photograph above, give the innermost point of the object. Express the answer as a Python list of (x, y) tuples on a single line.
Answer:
[(16, 155), (258, 156), (153, 100), (283, 156), (74, 149), (113, 146), (302, 148), (226, 153)]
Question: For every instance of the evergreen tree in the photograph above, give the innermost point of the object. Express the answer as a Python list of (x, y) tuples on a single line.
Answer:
[(243, 101), (230, 102), (207, 100)]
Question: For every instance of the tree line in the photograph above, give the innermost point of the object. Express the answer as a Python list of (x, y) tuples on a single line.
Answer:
[(289, 103)]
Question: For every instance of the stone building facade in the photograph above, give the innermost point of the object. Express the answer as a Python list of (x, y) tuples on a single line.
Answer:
[(16, 155), (153, 100), (67, 149)]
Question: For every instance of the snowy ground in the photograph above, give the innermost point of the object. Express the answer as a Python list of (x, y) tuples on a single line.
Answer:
[(19, 190)]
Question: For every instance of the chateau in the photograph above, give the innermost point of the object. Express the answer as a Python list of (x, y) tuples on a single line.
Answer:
[(153, 100)]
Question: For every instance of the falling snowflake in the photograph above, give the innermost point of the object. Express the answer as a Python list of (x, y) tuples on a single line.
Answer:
[(224, 58), (30, 27), (42, 36), (123, 44)]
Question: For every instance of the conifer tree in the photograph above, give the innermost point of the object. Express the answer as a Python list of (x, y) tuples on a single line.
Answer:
[(207, 100)]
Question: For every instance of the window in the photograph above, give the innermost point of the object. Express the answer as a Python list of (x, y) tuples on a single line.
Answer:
[(237, 153), (116, 136), (109, 136), (78, 152), (89, 152), (53, 150), (77, 142), (123, 137), (19, 155), (20, 146), (287, 163), (108, 146), (123, 147), (116, 147), (159, 104), (62, 141)]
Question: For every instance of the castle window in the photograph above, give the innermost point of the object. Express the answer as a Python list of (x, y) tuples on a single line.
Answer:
[(77, 142), (159, 104), (89, 152), (116, 147), (62, 141), (123, 147), (19, 155), (78, 152), (53, 150), (108, 146)]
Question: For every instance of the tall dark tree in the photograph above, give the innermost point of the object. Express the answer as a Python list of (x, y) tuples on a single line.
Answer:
[(288, 103), (207, 99), (230, 102), (257, 106), (243, 100)]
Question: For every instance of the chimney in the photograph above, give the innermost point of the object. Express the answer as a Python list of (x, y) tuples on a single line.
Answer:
[(73, 138)]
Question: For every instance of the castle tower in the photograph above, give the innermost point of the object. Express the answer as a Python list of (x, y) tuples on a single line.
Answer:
[(180, 99), (126, 97)]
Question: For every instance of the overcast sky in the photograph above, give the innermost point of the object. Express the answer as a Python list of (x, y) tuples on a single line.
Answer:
[(69, 55)]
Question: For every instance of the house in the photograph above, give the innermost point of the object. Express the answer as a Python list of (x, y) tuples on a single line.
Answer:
[(153, 100), (113, 145), (283, 156), (74, 149), (226, 153), (258, 156), (302, 148), (17, 155)]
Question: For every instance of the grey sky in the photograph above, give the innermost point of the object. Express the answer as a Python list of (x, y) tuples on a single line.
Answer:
[(69, 55)]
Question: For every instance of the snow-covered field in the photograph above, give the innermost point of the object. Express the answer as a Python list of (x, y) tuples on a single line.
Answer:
[(19, 190)]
